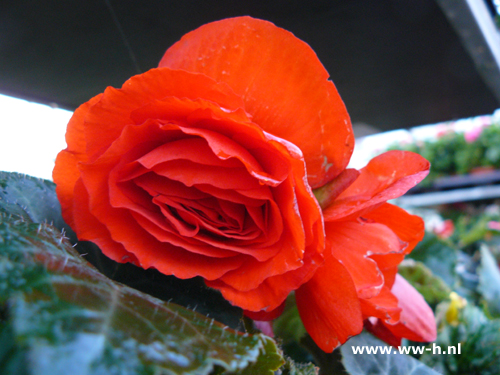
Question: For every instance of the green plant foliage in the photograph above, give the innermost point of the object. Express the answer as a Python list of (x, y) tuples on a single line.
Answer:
[(442, 153), (452, 154), (289, 326), (432, 288), (489, 281), (31, 198), (438, 256), (379, 364), (67, 317), (292, 368), (471, 224), (293, 335), (59, 315), (479, 340), (191, 293), (490, 141)]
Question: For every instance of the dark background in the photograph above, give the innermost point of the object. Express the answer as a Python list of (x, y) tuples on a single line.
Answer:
[(396, 63)]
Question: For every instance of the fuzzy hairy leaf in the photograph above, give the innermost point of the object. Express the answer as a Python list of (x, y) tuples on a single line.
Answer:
[(30, 197), (67, 316), (292, 368)]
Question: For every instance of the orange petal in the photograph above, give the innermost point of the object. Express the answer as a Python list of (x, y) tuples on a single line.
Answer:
[(91, 229), (123, 226), (66, 173), (191, 174), (283, 84), (417, 320), (271, 293), (355, 244), (383, 306), (291, 248), (329, 306), (104, 124), (377, 328), (266, 315), (409, 228), (386, 177), (303, 234)]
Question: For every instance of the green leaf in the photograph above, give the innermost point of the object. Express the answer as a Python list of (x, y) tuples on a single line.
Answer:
[(431, 287), (374, 364), (12, 360), (292, 333), (289, 326), (268, 355), (68, 318), (489, 280), (438, 256), (292, 368), (191, 293), (479, 340), (30, 197)]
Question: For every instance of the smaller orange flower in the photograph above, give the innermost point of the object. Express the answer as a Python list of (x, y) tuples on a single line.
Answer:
[(366, 239)]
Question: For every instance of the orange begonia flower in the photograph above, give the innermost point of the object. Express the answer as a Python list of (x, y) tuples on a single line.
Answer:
[(370, 238), (204, 167), (170, 172)]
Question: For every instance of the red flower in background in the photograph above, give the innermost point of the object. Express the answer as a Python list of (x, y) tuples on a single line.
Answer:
[(445, 229), (198, 168)]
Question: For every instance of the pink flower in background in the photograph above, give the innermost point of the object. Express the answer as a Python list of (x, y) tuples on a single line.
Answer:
[(473, 134), (442, 130), (494, 225)]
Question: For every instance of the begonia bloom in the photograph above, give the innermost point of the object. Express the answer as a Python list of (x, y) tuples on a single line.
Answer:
[(205, 167)]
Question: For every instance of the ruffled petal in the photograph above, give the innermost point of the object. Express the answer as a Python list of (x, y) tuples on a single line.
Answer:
[(386, 177), (383, 306), (66, 173), (355, 244), (123, 226), (283, 84), (409, 228), (115, 109), (329, 306), (89, 228), (271, 293)]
